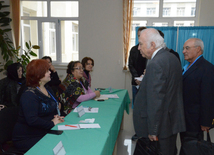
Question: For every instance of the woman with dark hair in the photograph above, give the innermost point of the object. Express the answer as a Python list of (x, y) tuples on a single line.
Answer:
[(75, 89), (39, 109), (10, 85), (88, 64), (55, 80)]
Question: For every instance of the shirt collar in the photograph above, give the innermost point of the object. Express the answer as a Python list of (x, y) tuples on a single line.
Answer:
[(155, 52), (185, 68)]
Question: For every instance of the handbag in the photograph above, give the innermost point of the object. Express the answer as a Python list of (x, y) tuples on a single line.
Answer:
[(146, 147), (197, 146)]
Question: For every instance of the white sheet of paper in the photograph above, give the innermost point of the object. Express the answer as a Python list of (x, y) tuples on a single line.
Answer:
[(84, 126), (64, 127), (101, 97), (88, 120), (59, 149), (93, 110), (139, 78), (110, 95)]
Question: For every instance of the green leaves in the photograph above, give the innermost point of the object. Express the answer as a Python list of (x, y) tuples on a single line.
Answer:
[(8, 52)]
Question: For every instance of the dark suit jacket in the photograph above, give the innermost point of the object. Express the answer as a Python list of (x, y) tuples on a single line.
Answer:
[(137, 63), (198, 94), (158, 107)]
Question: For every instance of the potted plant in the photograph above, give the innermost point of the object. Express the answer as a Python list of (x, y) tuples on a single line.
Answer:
[(8, 52)]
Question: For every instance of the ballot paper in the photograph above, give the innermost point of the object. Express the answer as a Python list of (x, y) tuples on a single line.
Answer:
[(89, 120), (68, 127), (109, 95), (77, 126), (139, 78), (88, 110)]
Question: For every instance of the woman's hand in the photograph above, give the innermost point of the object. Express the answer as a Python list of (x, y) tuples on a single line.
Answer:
[(58, 119), (97, 93), (60, 105), (52, 68)]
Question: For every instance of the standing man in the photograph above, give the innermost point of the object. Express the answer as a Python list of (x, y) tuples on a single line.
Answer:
[(198, 89), (137, 64), (158, 112)]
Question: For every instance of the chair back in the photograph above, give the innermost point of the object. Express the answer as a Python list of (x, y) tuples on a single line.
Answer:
[(8, 118)]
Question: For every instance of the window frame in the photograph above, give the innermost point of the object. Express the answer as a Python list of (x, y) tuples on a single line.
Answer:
[(57, 21), (169, 19)]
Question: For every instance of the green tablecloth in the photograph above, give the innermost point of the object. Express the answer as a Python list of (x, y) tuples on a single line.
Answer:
[(98, 141)]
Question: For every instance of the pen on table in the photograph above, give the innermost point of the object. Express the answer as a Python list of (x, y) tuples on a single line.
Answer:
[(71, 126)]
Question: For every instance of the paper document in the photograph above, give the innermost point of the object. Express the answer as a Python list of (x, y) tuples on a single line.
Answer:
[(83, 126), (88, 120), (89, 110), (109, 95), (77, 126), (139, 78), (102, 97), (68, 127)]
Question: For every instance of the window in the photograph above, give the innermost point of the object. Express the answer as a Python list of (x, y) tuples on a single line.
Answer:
[(180, 11), (193, 11), (150, 11), (160, 24), (136, 11), (145, 8), (59, 26), (166, 11), (184, 23), (160, 13)]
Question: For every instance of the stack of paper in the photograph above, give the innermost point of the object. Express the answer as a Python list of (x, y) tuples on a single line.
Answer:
[(77, 126)]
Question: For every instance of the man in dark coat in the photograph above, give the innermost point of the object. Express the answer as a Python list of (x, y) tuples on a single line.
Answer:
[(198, 89)]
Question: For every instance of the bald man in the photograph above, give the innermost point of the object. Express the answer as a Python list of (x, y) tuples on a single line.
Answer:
[(198, 89)]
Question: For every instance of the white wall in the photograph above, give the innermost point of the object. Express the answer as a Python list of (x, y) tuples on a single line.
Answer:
[(206, 13), (101, 31)]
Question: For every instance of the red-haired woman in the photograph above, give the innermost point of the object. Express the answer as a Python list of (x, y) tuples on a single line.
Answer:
[(39, 109)]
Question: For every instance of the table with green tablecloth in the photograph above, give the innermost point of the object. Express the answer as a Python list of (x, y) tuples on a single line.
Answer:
[(96, 141)]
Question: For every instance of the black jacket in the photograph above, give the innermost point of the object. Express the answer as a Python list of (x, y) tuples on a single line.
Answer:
[(137, 63)]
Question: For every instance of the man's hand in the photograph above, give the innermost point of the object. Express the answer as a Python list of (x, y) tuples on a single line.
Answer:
[(144, 72), (138, 82), (153, 138), (205, 128)]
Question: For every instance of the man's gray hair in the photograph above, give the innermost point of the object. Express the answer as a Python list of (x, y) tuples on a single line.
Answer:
[(200, 43), (153, 35)]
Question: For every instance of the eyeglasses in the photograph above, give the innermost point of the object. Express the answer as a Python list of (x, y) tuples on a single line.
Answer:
[(187, 47), (79, 68)]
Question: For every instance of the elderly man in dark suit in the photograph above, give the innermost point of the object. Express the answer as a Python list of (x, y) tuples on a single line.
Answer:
[(158, 112), (198, 89)]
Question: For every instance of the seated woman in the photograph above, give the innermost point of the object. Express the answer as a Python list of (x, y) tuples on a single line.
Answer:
[(75, 89), (10, 85), (39, 109), (55, 81), (88, 64)]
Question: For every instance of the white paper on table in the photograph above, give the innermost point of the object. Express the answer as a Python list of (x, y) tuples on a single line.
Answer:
[(110, 95), (67, 127), (84, 126), (101, 97), (77, 126), (88, 120), (93, 110)]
